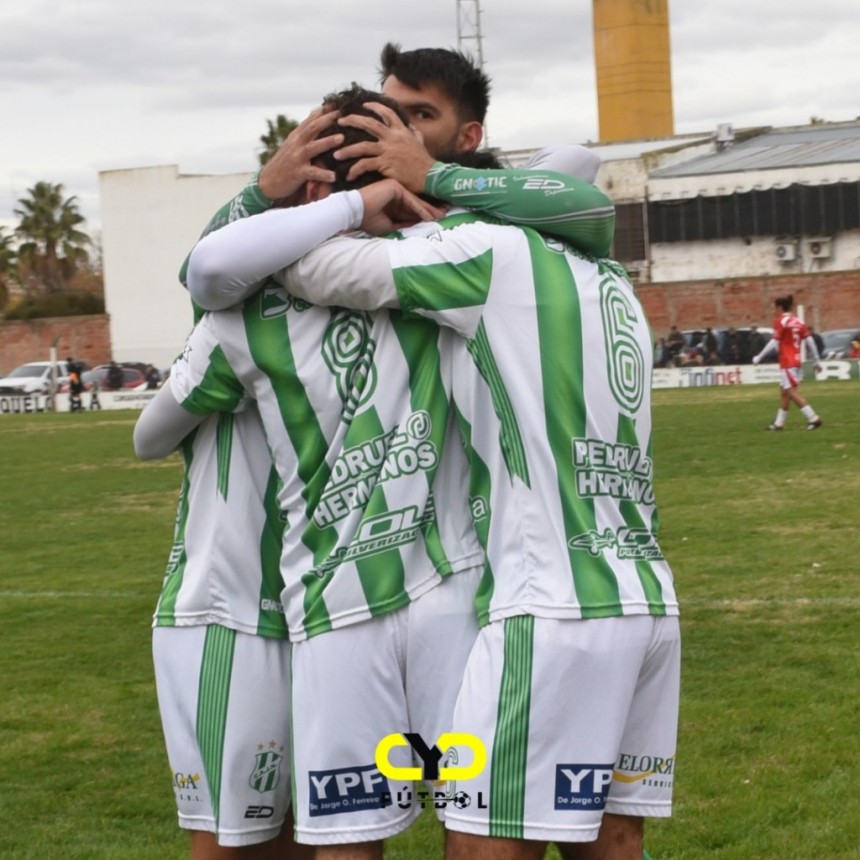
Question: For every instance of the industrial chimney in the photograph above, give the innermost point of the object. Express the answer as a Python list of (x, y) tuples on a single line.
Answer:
[(634, 69)]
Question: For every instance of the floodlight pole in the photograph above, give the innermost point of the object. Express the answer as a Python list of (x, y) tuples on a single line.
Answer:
[(469, 31)]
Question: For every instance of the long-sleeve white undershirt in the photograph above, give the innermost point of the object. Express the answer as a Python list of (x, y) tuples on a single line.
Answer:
[(228, 265)]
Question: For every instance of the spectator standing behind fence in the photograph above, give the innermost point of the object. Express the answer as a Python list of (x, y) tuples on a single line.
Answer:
[(731, 347), (76, 385), (756, 344), (675, 342), (153, 378), (95, 403), (114, 377), (819, 340), (710, 349)]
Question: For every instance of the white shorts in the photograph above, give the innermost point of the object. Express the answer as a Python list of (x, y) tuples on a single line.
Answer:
[(356, 685), (224, 702), (789, 377), (578, 717)]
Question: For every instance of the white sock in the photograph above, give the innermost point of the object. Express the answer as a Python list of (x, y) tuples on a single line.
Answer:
[(780, 417), (809, 412)]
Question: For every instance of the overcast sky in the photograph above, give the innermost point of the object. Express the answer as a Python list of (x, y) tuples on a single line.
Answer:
[(90, 85)]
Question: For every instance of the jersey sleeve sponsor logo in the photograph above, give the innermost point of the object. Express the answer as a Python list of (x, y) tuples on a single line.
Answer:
[(481, 183), (542, 183)]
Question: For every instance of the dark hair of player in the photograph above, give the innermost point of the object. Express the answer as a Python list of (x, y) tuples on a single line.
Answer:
[(454, 72), (347, 102)]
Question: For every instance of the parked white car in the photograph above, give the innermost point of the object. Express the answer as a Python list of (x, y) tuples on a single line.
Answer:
[(33, 378)]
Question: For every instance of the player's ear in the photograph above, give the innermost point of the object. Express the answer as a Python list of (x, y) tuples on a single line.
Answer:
[(315, 190), (470, 136)]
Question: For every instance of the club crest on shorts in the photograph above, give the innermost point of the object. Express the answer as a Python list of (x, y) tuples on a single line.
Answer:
[(267, 771)]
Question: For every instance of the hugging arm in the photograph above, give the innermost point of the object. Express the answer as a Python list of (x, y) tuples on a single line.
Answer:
[(162, 426), (229, 264)]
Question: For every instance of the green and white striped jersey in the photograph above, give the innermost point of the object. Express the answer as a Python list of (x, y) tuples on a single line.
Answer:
[(224, 565), (570, 207), (551, 368), (357, 418)]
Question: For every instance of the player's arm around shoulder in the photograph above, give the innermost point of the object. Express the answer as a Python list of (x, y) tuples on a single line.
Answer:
[(201, 382), (543, 197), (162, 426), (279, 180)]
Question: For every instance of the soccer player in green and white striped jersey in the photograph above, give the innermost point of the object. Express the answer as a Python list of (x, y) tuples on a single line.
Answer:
[(573, 682), (273, 308), (220, 644)]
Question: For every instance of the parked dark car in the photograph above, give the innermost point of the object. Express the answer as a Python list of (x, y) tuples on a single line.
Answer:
[(694, 337), (837, 342), (132, 378)]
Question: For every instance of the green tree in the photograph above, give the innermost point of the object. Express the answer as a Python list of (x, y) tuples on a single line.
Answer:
[(52, 247), (8, 265), (277, 133)]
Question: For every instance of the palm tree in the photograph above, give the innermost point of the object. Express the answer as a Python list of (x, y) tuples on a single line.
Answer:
[(52, 246), (8, 265), (277, 133)]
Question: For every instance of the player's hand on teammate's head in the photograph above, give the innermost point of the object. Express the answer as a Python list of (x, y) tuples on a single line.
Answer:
[(292, 165), (398, 151), (388, 206)]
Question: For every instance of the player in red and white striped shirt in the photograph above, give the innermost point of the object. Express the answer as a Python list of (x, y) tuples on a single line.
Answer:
[(789, 333)]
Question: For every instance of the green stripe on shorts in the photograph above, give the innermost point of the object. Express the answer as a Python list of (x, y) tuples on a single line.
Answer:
[(510, 746), (213, 697)]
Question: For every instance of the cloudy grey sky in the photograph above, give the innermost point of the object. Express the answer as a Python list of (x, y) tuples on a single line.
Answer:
[(90, 85)]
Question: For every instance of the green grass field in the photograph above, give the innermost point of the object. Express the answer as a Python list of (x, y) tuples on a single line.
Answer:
[(760, 528)]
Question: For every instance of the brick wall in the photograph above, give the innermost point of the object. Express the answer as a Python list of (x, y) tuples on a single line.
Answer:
[(86, 338), (830, 301)]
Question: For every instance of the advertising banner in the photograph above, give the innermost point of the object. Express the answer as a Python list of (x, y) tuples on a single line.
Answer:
[(748, 374)]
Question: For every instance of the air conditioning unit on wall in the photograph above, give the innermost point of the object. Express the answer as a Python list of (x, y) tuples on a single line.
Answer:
[(785, 252), (819, 248)]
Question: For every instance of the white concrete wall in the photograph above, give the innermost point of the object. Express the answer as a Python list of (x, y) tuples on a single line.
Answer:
[(151, 218), (734, 258)]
